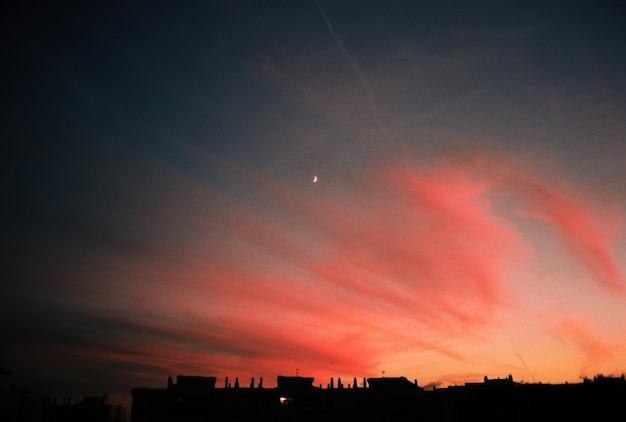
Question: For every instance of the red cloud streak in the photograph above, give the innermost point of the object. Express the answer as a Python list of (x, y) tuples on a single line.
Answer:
[(415, 262), (417, 257)]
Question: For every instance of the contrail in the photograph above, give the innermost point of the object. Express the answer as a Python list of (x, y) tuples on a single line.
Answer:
[(354, 64), (521, 360)]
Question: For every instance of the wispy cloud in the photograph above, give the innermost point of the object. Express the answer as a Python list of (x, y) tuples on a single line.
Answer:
[(579, 332), (588, 238), (412, 260)]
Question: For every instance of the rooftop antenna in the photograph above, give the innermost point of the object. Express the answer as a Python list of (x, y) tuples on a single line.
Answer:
[(297, 372)]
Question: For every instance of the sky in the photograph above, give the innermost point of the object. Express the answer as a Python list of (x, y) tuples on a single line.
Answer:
[(428, 189)]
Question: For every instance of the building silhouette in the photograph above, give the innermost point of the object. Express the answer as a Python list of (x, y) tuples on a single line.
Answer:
[(23, 404), (19, 403), (199, 398), (379, 399), (88, 409)]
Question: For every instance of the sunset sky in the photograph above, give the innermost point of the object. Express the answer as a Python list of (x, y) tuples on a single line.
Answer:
[(160, 215)]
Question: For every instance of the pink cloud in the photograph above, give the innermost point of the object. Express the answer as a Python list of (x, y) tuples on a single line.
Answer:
[(577, 330), (587, 236), (437, 253), (413, 259), (422, 246), (582, 237)]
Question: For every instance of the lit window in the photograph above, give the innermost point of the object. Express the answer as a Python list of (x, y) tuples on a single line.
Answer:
[(286, 400)]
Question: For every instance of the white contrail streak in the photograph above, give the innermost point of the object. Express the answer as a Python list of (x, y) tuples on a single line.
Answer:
[(354, 64)]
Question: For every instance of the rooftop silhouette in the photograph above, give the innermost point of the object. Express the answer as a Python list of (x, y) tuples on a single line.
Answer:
[(297, 398), (24, 404), (377, 399)]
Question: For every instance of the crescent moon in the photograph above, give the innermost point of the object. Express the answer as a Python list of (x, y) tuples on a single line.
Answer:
[(314, 179)]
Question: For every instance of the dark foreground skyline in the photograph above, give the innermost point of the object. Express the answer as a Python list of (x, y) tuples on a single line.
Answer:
[(395, 399), (299, 398)]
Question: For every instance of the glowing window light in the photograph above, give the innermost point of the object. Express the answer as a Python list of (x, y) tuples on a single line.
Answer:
[(285, 400)]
